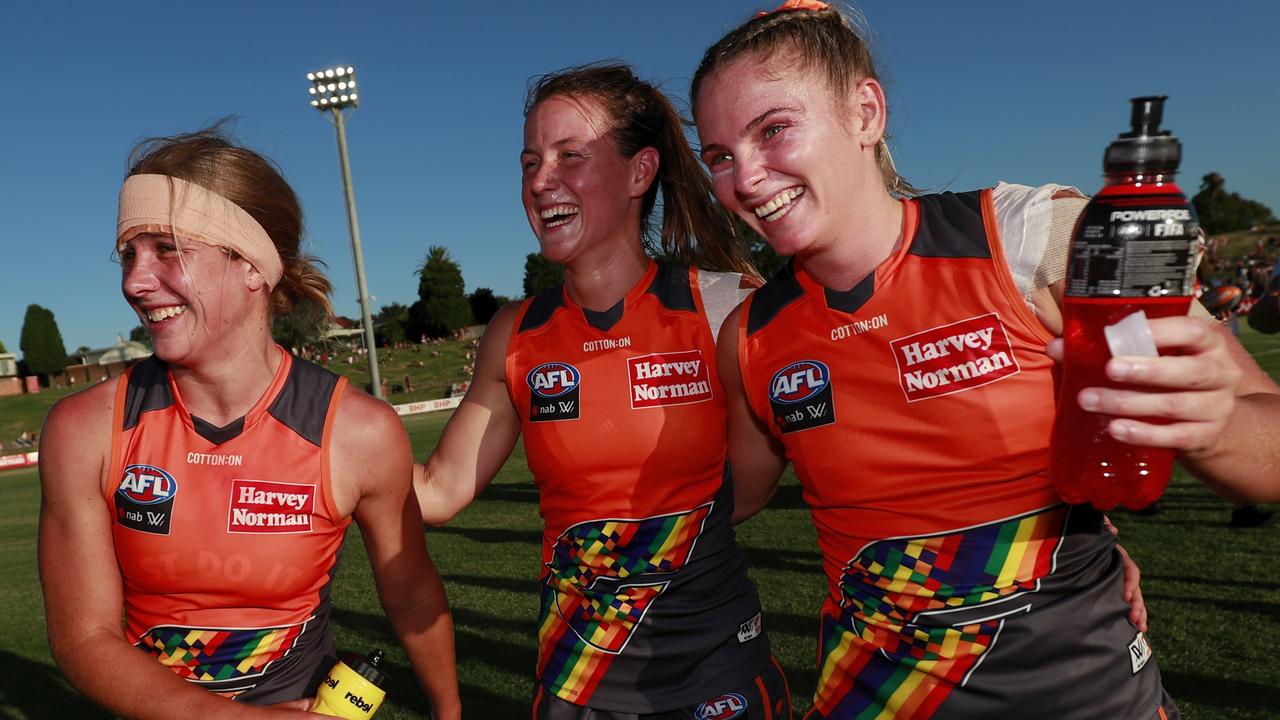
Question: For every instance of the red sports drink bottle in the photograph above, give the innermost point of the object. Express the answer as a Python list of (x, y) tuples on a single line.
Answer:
[(1133, 249)]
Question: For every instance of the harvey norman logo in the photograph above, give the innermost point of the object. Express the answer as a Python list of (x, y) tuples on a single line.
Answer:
[(260, 506), (953, 358), (674, 378)]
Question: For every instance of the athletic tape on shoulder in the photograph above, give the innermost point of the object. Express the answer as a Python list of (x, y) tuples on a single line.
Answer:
[(173, 206)]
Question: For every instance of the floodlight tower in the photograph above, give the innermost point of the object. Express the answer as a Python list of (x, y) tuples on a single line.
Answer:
[(332, 91)]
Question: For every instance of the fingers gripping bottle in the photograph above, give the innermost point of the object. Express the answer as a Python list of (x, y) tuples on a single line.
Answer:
[(1133, 249), (352, 692)]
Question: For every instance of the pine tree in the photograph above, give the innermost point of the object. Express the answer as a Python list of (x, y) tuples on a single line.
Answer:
[(540, 274), (442, 308), (484, 304), (389, 323), (1220, 211), (41, 343)]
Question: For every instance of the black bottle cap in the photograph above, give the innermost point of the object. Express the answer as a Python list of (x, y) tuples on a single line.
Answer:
[(1145, 149), (367, 668)]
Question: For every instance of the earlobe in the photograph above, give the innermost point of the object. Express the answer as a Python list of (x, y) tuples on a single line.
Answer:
[(644, 170), (254, 280)]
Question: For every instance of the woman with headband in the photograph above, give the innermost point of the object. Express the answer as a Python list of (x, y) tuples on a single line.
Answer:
[(204, 496), (647, 611), (959, 584)]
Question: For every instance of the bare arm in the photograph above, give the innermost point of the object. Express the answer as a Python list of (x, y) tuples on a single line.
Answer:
[(83, 593), (478, 438), (372, 461), (756, 459), (1223, 410)]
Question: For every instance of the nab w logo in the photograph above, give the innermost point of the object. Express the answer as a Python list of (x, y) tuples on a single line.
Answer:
[(144, 499), (729, 705), (551, 380), (147, 485), (799, 381), (554, 387), (800, 395)]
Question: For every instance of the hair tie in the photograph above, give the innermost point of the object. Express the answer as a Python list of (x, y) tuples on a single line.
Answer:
[(796, 5)]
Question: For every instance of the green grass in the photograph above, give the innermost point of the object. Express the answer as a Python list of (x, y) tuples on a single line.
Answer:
[(1213, 593)]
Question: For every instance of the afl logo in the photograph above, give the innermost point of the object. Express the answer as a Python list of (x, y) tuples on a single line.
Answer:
[(551, 380), (799, 381), (729, 705), (147, 485)]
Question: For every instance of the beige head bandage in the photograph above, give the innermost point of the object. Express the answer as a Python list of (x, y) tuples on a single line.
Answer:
[(172, 206)]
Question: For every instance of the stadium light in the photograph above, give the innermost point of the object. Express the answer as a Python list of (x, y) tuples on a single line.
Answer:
[(332, 91)]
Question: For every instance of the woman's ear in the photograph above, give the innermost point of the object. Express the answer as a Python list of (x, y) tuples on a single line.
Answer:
[(254, 279), (869, 111), (644, 170)]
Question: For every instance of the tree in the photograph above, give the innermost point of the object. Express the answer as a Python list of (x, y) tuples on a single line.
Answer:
[(306, 324), (41, 343), (1223, 212), (389, 324), (767, 261), (139, 334), (540, 274), (484, 304), (442, 307), (2, 350)]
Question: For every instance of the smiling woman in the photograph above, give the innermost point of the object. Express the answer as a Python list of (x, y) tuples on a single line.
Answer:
[(647, 611), (204, 496)]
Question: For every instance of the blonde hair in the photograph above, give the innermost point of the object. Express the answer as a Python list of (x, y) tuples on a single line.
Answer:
[(823, 39)]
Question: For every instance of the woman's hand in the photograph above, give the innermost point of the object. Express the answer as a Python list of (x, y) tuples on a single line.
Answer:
[(1192, 387), (1132, 592)]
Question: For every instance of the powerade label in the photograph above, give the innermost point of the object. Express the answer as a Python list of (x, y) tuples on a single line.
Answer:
[(800, 394), (144, 499), (553, 392), (1134, 246)]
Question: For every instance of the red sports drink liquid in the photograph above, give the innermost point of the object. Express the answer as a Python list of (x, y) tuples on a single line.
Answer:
[(1133, 249)]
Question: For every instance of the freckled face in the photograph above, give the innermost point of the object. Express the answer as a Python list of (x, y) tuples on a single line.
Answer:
[(574, 184), (779, 149), (184, 292)]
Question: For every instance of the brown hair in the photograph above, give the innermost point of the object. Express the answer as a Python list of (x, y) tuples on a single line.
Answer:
[(822, 39), (695, 231), (210, 159)]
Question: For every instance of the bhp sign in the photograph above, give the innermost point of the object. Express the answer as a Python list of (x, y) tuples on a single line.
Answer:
[(953, 358)]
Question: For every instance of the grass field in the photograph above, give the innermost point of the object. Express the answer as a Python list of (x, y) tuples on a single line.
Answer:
[(1213, 592)]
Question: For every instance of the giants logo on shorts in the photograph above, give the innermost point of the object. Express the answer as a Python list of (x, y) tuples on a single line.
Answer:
[(555, 392), (725, 707), (677, 378), (144, 499), (800, 394), (259, 506), (954, 358)]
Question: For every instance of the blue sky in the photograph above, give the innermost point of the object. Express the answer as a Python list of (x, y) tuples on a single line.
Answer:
[(978, 92)]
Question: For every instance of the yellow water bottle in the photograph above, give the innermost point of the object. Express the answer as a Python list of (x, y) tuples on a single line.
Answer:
[(350, 692)]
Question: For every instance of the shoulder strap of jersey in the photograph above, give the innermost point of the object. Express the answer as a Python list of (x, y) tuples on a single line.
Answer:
[(951, 226), (306, 400), (537, 310)]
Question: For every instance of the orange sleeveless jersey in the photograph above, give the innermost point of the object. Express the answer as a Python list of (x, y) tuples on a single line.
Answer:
[(917, 409), (227, 538), (645, 602)]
